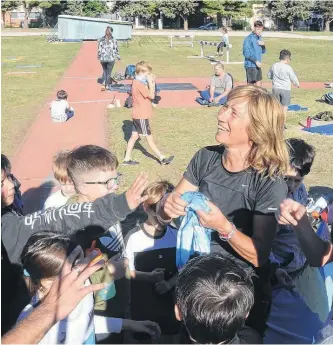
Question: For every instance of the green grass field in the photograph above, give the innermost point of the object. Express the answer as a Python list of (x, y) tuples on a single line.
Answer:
[(24, 95), (180, 131)]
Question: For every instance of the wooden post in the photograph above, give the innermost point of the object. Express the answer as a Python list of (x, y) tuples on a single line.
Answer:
[(192, 41), (201, 49), (170, 41), (228, 54)]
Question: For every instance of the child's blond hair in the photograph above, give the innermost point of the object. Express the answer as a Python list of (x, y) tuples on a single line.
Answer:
[(143, 66), (155, 192), (60, 166)]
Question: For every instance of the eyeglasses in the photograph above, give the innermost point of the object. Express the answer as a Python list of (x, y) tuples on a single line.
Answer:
[(110, 182)]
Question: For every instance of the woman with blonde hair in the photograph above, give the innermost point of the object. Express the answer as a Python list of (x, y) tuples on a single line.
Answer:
[(243, 178)]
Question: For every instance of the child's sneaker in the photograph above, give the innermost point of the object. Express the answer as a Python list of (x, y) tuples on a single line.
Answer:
[(103, 88), (154, 105), (166, 161), (130, 162)]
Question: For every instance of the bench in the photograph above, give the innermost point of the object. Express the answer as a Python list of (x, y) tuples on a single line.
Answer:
[(174, 42)]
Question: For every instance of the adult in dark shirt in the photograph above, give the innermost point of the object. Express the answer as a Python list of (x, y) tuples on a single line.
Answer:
[(243, 178), (213, 298)]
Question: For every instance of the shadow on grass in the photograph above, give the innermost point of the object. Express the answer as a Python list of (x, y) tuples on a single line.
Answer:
[(127, 130)]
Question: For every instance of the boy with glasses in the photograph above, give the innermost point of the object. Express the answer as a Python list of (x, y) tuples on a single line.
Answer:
[(286, 251)]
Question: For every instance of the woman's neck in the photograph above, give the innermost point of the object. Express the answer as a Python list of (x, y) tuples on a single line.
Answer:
[(153, 228), (235, 159)]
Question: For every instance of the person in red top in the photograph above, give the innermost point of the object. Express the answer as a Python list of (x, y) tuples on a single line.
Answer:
[(143, 92)]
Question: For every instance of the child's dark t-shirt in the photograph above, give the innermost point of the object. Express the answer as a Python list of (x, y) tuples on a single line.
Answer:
[(146, 253)]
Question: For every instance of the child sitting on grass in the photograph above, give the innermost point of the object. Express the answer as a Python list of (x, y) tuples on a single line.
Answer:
[(66, 190), (60, 109), (151, 252)]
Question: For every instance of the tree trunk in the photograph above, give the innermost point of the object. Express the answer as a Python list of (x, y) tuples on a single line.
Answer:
[(185, 22), (219, 20), (327, 24), (26, 16), (3, 19), (292, 26)]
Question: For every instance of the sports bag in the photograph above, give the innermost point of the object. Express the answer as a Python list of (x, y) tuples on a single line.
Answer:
[(130, 71), (328, 98)]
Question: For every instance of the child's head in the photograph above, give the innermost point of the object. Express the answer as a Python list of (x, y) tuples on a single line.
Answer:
[(43, 258), (285, 56), (155, 192), (224, 30), (60, 173), (7, 183), (258, 27), (301, 158), (62, 94), (143, 68), (93, 170), (213, 298)]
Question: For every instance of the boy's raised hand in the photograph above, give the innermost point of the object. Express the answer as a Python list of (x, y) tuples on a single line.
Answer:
[(134, 193)]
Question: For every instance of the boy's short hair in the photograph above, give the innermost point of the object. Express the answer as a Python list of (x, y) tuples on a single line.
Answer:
[(6, 167), (60, 166), (224, 29), (214, 296), (88, 158), (258, 24), (62, 94), (156, 190), (301, 155), (285, 54), (143, 66)]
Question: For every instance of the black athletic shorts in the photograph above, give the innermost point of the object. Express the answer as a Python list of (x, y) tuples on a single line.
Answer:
[(253, 74), (141, 126)]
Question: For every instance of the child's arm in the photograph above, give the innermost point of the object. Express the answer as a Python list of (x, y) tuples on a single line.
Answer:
[(166, 285), (152, 277), (151, 85), (270, 74), (293, 78)]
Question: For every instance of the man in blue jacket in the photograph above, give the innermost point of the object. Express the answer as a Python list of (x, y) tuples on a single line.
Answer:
[(253, 48)]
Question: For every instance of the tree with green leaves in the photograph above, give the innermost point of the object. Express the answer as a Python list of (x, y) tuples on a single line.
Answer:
[(172, 9), (227, 9), (291, 10), (7, 6), (46, 5), (325, 8), (74, 7)]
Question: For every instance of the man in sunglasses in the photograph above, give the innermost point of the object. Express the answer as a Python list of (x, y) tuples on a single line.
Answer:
[(286, 249)]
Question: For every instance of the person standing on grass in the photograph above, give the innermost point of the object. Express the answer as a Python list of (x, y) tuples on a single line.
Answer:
[(224, 43), (282, 74), (143, 91), (253, 48), (107, 55)]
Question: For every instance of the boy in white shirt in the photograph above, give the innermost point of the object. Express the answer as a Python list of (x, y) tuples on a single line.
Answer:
[(60, 109), (66, 190)]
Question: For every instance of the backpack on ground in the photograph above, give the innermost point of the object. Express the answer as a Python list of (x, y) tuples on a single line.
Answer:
[(130, 72), (328, 98), (324, 116)]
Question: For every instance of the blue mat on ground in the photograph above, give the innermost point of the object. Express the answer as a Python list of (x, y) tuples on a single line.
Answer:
[(161, 86), (296, 107), (324, 129)]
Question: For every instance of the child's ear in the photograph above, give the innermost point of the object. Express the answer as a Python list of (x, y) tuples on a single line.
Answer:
[(177, 313)]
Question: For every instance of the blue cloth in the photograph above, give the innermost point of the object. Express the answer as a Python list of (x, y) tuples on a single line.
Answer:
[(296, 107), (324, 129), (252, 50), (290, 321), (206, 96), (192, 237)]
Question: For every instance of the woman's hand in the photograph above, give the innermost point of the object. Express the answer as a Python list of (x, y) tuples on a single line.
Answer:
[(291, 212), (174, 205), (215, 219)]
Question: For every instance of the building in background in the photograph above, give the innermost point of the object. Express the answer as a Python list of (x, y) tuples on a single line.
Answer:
[(15, 18)]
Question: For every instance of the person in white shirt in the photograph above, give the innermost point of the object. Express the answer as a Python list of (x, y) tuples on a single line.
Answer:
[(224, 42), (60, 197), (43, 258), (60, 109)]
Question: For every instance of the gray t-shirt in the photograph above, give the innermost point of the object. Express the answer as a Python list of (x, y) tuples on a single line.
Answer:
[(282, 75), (221, 83)]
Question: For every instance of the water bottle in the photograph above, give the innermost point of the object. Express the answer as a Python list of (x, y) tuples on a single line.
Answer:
[(308, 122)]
